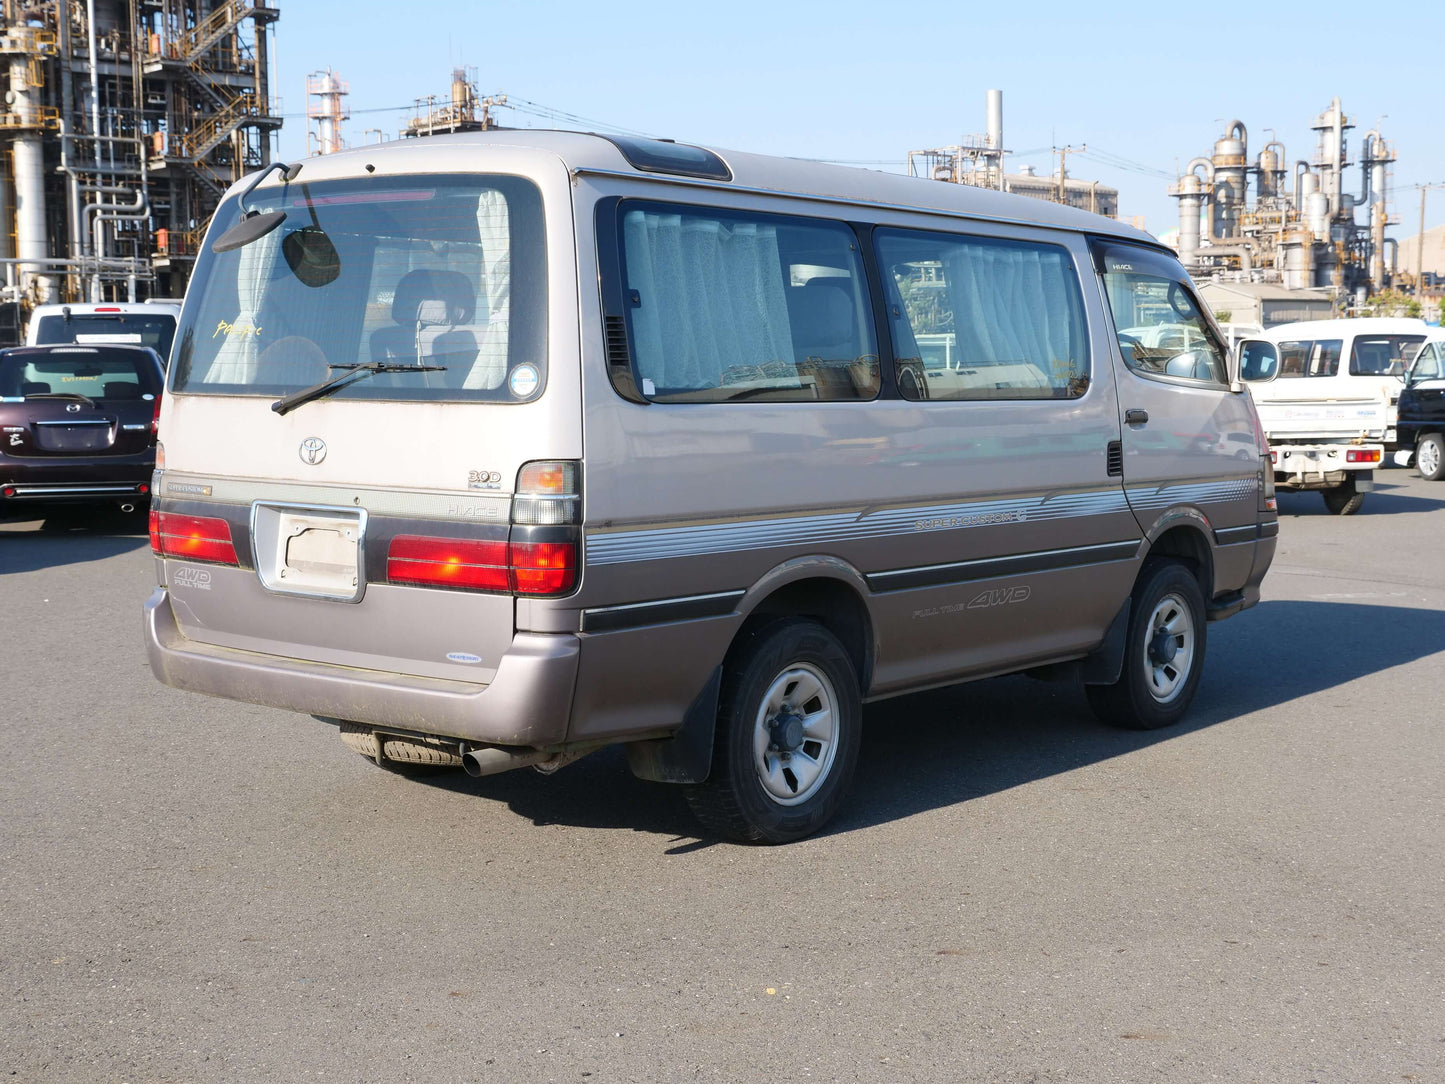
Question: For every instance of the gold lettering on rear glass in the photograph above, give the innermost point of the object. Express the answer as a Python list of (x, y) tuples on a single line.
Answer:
[(240, 327)]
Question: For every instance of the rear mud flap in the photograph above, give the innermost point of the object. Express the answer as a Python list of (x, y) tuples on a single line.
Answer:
[(686, 757)]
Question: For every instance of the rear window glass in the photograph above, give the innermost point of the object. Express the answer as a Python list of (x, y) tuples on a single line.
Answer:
[(123, 328), (1383, 355), (730, 307), (444, 274), (94, 372)]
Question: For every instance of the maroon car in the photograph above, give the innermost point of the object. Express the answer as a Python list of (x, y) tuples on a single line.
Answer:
[(77, 425)]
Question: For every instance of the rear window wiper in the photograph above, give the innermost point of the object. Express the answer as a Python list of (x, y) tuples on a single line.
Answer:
[(352, 375), (62, 395)]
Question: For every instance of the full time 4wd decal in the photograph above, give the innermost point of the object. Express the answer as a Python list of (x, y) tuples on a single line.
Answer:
[(197, 578), (1000, 596)]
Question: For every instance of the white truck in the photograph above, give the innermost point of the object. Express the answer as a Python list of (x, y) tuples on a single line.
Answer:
[(1326, 391)]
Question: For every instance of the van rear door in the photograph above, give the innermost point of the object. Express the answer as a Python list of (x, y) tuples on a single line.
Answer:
[(370, 525)]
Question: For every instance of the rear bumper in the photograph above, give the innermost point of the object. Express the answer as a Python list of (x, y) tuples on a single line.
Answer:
[(40, 480), (528, 703), (32, 493)]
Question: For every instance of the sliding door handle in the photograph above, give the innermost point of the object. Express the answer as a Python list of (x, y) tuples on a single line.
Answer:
[(1136, 416)]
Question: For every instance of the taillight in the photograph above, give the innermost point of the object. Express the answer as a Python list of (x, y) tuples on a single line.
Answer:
[(449, 562), (548, 494), (544, 568), (196, 538), (540, 556), (1362, 455), (526, 568), (156, 418)]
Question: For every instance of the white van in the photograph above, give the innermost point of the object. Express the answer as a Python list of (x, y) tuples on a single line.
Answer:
[(494, 449), (1328, 392), (129, 323)]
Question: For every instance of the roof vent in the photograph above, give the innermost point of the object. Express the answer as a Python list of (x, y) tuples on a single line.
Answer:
[(665, 156)]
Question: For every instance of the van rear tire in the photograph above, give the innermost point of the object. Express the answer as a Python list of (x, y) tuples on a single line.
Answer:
[(1166, 620), (786, 742), (398, 754)]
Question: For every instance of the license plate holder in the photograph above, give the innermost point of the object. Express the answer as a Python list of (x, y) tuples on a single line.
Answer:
[(310, 551)]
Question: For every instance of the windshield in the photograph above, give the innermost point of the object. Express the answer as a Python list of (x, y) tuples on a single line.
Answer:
[(91, 371), (155, 330), (1383, 355), (445, 273)]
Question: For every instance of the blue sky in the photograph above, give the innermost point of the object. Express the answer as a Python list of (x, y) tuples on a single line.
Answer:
[(1153, 84)]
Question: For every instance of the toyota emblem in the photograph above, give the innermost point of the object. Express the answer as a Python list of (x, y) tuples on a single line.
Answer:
[(313, 450)]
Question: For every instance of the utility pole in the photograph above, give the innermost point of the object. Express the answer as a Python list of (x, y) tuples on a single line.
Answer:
[(1420, 241), (1063, 153)]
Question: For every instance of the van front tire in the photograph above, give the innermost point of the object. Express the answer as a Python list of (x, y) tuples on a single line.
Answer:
[(788, 729), (1163, 655)]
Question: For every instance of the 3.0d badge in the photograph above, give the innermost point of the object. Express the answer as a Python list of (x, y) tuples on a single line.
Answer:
[(313, 450)]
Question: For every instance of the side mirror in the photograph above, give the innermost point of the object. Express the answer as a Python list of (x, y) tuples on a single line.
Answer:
[(1255, 361)]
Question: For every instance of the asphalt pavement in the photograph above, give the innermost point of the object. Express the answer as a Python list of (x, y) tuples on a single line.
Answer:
[(200, 890)]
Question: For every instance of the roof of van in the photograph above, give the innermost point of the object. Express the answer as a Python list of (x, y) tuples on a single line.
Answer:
[(1361, 325), (583, 151)]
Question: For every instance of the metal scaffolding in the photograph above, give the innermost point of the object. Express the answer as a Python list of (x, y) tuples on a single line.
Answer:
[(124, 122)]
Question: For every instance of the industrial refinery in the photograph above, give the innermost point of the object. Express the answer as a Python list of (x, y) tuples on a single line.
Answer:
[(124, 122), (978, 160), (1290, 223)]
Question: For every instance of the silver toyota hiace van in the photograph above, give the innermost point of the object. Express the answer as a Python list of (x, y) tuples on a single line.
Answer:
[(495, 449)]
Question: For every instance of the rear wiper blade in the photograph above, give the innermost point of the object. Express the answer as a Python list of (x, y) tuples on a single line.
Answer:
[(62, 395), (352, 375)]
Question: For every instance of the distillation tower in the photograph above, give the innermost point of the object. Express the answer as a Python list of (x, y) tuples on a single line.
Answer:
[(1302, 229), (123, 123)]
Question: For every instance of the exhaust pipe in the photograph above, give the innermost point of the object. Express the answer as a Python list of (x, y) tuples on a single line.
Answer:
[(491, 759)]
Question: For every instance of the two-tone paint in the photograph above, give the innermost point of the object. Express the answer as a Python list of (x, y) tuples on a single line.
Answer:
[(943, 541)]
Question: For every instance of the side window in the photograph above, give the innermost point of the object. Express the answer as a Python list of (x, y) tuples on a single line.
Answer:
[(1310, 357), (1427, 366), (730, 307), (1162, 329), (983, 318)]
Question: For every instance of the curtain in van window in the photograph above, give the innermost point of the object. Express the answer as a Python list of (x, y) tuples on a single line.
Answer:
[(235, 361), (711, 297), (1014, 304), (495, 304)]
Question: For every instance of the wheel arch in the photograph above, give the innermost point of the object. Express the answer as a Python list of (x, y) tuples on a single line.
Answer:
[(825, 589), (1186, 536)]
